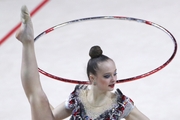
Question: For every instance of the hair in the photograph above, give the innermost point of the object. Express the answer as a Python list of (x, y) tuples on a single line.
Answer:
[(97, 56)]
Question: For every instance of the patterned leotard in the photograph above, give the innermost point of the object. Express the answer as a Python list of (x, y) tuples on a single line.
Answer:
[(119, 107)]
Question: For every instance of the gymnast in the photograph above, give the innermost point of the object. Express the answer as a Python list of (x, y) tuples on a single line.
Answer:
[(96, 102)]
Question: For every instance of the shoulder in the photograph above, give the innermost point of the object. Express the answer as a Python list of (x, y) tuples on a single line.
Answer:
[(125, 104), (73, 99), (121, 97)]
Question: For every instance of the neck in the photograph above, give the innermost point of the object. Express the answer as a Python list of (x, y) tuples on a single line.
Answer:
[(98, 98)]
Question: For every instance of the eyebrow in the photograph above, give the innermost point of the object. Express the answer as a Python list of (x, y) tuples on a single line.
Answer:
[(109, 72)]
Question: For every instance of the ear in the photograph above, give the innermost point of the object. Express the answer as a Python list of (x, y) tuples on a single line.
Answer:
[(91, 78)]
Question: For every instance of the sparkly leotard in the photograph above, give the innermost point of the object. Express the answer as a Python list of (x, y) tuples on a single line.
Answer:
[(118, 107)]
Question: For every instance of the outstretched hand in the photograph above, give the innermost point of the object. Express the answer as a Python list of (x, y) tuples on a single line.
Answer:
[(26, 32)]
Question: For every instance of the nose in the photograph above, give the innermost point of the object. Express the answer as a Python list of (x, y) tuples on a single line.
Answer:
[(114, 78)]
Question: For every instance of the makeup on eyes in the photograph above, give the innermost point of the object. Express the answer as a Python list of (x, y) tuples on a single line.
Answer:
[(107, 75)]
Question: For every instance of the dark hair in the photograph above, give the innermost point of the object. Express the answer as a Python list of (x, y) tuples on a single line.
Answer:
[(96, 57)]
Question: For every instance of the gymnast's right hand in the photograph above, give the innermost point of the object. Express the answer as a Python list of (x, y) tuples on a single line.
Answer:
[(26, 32)]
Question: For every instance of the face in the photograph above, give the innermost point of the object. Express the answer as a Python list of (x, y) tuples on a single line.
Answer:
[(106, 76)]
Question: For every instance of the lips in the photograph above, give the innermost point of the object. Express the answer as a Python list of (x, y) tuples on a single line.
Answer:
[(112, 85)]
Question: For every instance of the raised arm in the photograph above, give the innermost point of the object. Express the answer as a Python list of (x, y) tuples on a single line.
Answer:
[(40, 107)]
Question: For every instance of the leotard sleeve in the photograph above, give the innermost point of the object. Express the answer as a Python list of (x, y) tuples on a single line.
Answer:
[(125, 103)]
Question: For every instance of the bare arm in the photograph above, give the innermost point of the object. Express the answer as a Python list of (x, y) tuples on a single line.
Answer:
[(61, 112), (136, 115)]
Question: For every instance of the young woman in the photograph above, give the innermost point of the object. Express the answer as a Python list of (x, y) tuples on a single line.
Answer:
[(96, 103)]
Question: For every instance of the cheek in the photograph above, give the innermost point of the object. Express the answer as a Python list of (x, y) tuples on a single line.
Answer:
[(103, 82)]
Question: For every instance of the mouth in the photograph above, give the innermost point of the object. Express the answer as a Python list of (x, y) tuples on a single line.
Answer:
[(112, 85)]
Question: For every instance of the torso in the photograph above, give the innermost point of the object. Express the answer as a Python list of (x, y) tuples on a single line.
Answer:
[(119, 106), (95, 111)]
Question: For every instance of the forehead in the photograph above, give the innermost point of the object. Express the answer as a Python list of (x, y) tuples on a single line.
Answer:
[(106, 66)]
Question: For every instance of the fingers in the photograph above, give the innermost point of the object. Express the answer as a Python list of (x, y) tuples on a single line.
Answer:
[(25, 16)]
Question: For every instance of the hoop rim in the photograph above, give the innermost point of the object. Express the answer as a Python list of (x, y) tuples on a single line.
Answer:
[(117, 18)]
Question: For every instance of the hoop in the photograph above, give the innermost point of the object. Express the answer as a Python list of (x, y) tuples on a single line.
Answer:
[(115, 18)]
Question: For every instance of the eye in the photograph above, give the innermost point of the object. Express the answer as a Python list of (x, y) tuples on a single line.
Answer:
[(115, 74), (106, 76)]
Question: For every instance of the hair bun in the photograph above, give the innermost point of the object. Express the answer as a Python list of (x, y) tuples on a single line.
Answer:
[(95, 52)]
